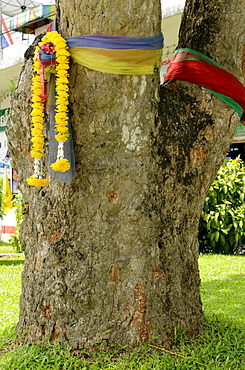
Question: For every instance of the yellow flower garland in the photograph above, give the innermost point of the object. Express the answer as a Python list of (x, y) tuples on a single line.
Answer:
[(61, 118)]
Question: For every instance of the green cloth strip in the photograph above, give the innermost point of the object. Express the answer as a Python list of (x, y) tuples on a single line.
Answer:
[(234, 105), (203, 56)]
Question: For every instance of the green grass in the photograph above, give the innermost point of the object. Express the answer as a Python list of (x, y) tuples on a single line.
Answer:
[(10, 271), (223, 287), (221, 347), (6, 248)]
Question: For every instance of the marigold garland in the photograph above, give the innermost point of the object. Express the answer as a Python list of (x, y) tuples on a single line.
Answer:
[(61, 165), (52, 43), (33, 181)]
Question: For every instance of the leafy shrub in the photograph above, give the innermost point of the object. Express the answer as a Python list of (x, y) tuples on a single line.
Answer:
[(222, 223)]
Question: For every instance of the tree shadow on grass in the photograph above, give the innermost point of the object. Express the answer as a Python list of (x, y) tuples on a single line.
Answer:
[(225, 297), (11, 262)]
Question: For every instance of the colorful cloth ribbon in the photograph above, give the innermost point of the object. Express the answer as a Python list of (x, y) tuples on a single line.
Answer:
[(197, 68), (117, 55)]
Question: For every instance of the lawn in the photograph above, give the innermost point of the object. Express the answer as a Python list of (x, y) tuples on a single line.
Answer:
[(221, 347), (6, 248), (10, 271), (223, 287)]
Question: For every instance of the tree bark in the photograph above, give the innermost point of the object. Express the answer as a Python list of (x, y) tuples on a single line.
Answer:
[(113, 256)]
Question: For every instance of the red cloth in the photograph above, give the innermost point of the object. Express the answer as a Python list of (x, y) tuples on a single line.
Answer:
[(49, 27), (208, 76)]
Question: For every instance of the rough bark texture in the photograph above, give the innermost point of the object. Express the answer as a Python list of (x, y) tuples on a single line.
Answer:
[(116, 250)]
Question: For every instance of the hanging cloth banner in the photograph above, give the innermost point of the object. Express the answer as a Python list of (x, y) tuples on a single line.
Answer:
[(116, 54), (7, 194), (197, 68)]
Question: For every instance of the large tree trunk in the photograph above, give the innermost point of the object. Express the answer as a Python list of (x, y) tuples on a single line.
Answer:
[(114, 254)]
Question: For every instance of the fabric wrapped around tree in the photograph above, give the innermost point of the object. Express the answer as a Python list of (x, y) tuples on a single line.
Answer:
[(114, 54), (117, 55), (197, 68)]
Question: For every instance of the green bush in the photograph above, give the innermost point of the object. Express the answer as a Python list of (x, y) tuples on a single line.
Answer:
[(222, 223)]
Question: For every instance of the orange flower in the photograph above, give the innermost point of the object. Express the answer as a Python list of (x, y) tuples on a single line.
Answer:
[(61, 165), (33, 181)]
